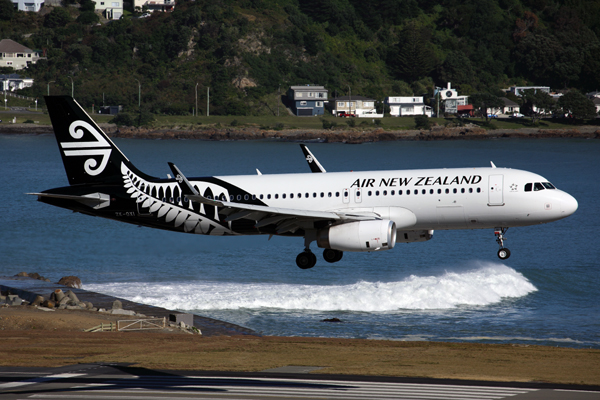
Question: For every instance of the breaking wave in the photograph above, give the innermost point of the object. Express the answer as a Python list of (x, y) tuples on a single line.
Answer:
[(487, 284)]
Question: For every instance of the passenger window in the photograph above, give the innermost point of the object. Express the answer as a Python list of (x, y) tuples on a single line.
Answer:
[(385, 192), (268, 196), (462, 190), (282, 196), (470, 190), (424, 191), (370, 193), (399, 192), (447, 191), (246, 197), (306, 195), (262, 196), (345, 194), (408, 192), (253, 197), (439, 191), (377, 193), (322, 194), (392, 193), (537, 186), (329, 194), (430, 191), (454, 190), (337, 194), (314, 194), (478, 190), (291, 195)]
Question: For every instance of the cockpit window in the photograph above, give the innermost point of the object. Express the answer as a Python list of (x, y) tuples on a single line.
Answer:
[(538, 186), (528, 187), (548, 185)]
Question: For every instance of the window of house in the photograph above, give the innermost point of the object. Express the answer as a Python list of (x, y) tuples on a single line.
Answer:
[(341, 104), (303, 103), (311, 94), (299, 94), (319, 104), (115, 4)]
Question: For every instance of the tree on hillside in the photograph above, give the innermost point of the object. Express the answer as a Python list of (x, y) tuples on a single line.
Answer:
[(577, 104), (7, 9), (485, 101), (415, 58), (538, 103), (59, 17)]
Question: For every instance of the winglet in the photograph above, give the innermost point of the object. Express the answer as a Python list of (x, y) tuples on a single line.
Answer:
[(493, 165), (184, 184), (189, 191), (313, 163)]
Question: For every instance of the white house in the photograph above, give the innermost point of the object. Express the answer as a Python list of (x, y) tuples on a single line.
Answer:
[(28, 5), (518, 90), (12, 82), (357, 105), (111, 9), (406, 106), (154, 5), (453, 103), (509, 108), (16, 56)]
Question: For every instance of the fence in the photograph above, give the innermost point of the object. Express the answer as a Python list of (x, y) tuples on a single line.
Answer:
[(141, 324)]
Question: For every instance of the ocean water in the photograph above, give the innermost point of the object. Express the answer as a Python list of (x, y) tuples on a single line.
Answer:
[(451, 288)]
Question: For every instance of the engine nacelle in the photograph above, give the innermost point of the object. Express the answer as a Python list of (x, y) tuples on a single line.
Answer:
[(414, 236), (359, 236)]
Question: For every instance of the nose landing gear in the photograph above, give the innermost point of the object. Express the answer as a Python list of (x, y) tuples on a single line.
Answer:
[(503, 253)]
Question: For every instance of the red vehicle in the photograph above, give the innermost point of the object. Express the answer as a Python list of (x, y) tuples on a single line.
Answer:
[(344, 114)]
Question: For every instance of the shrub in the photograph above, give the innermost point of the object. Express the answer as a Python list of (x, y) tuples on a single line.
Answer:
[(422, 122)]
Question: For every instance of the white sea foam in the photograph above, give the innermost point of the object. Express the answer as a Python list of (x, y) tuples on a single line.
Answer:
[(488, 283)]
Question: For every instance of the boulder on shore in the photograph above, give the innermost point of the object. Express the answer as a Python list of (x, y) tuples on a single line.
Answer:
[(70, 281)]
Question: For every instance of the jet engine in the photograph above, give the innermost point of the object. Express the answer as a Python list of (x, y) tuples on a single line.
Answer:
[(359, 236), (414, 236)]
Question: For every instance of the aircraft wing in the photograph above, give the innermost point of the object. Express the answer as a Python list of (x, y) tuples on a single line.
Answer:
[(286, 219)]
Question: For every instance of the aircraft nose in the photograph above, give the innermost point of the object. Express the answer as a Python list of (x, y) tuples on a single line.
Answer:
[(568, 204)]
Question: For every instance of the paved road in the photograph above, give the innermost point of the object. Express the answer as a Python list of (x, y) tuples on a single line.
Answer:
[(120, 382)]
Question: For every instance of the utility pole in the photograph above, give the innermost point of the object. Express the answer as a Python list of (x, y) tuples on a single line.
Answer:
[(49, 87), (350, 99), (207, 101), (278, 99), (72, 87), (196, 111)]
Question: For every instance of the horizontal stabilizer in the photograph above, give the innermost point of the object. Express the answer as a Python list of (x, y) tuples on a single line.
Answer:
[(94, 200)]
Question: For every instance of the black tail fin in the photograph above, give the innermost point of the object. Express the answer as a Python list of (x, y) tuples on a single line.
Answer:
[(88, 154)]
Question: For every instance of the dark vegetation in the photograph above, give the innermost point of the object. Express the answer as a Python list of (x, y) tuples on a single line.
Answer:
[(246, 51)]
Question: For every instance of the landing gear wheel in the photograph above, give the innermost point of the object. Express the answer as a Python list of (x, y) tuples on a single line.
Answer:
[(332, 256), (503, 254), (306, 260)]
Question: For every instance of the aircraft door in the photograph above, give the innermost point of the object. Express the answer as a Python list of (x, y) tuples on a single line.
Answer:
[(346, 196), (358, 195), (495, 193)]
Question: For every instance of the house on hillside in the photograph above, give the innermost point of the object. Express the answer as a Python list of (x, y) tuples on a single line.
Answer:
[(359, 106), (111, 9), (28, 5), (17, 56), (154, 5), (453, 103), (308, 100), (518, 90), (509, 108), (12, 82), (408, 106)]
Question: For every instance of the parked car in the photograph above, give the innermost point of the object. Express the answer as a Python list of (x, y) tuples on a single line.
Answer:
[(465, 115), (492, 116), (517, 115), (344, 114)]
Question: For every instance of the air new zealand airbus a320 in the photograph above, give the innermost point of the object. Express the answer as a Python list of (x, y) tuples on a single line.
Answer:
[(340, 211)]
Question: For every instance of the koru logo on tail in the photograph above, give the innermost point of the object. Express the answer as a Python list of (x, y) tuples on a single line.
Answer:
[(100, 147)]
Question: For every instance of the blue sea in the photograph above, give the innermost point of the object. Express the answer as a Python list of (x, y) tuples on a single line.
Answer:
[(451, 288)]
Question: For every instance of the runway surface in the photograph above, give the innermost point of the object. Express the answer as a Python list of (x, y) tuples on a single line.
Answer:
[(124, 383)]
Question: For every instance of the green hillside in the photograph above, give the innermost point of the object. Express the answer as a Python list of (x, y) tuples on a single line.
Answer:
[(248, 50)]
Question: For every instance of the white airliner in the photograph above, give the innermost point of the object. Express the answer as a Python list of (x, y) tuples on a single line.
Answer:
[(340, 211)]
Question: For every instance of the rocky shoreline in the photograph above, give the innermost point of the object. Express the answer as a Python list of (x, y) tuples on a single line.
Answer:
[(353, 136)]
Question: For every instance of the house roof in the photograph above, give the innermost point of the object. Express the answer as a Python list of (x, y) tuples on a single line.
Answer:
[(350, 98), (509, 102), (10, 46), (308, 88)]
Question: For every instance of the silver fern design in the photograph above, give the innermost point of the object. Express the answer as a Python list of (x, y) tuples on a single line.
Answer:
[(166, 200)]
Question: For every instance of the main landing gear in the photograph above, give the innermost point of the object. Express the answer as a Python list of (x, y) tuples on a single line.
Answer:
[(307, 258), (503, 253)]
